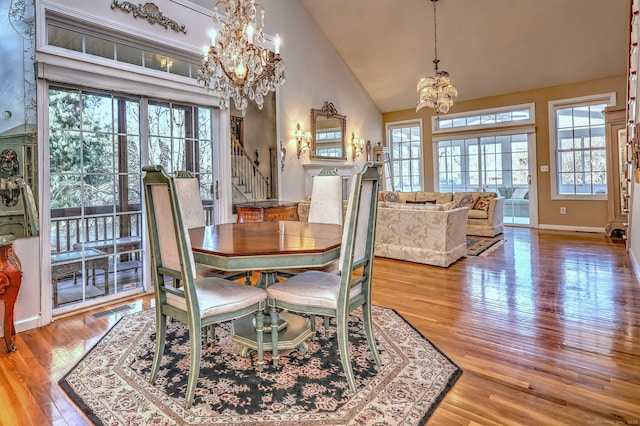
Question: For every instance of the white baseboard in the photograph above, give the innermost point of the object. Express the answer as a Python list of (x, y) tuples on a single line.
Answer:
[(25, 324), (589, 229), (634, 264)]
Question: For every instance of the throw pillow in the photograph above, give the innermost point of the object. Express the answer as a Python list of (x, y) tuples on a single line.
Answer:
[(483, 202), (467, 201), (520, 193), (391, 196)]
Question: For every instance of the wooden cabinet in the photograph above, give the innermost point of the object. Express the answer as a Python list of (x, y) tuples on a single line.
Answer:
[(267, 211)]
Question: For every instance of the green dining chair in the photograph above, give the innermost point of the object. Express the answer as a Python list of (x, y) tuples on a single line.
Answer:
[(188, 188), (198, 303), (330, 295)]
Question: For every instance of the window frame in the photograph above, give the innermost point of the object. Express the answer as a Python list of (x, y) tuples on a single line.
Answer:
[(509, 109), (607, 98), (390, 126)]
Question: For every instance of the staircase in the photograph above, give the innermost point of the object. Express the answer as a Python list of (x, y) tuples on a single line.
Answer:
[(247, 182)]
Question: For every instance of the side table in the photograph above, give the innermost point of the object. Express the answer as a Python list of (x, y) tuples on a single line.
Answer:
[(10, 280)]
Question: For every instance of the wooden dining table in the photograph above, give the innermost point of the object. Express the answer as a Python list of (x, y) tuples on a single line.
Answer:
[(267, 247)]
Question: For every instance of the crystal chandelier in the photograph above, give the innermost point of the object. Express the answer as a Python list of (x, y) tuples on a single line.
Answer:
[(236, 65), (436, 92)]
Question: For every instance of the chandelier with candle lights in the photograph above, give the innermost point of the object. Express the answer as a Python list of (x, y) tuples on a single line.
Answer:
[(436, 92), (236, 65)]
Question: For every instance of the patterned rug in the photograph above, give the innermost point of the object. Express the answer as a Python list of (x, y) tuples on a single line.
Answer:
[(110, 384), (482, 246)]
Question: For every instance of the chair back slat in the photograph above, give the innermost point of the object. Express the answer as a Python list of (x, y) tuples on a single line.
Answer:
[(360, 220), (168, 235), (188, 188), (167, 243), (326, 197)]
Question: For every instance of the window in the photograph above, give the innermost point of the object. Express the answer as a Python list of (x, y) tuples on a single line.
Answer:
[(97, 145), (578, 142), (405, 139), (513, 115), (70, 36), (492, 159)]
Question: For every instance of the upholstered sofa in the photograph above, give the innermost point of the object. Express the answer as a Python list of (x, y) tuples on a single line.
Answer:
[(432, 234), (424, 233), (486, 209)]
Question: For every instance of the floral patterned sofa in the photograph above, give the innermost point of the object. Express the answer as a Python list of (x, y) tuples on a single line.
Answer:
[(432, 234), (486, 209)]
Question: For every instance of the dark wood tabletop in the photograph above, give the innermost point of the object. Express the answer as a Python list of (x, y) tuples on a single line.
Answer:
[(264, 245)]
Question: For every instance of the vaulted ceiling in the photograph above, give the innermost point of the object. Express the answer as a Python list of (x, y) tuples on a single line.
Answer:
[(489, 47)]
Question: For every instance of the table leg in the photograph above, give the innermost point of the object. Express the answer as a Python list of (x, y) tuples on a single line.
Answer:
[(267, 278)]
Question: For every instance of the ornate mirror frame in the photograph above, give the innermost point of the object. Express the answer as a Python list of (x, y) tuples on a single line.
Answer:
[(328, 118)]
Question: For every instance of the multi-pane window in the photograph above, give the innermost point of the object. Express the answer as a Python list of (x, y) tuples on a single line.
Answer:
[(64, 35), (508, 116), (95, 181), (493, 160), (405, 141), (181, 138), (97, 146), (579, 145), (485, 163)]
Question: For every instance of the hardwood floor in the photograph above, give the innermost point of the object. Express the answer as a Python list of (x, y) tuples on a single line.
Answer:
[(546, 329)]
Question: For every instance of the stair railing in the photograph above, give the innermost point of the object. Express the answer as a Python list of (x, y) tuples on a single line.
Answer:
[(247, 172)]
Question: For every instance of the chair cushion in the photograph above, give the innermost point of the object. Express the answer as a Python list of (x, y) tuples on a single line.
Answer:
[(311, 288), (218, 296), (478, 214)]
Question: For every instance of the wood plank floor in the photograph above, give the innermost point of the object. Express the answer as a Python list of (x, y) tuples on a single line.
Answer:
[(546, 329)]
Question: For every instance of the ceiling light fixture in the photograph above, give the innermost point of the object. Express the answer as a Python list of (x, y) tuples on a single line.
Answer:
[(236, 65), (436, 92)]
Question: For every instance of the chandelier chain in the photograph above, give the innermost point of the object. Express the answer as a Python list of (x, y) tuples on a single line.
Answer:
[(435, 35), (436, 92)]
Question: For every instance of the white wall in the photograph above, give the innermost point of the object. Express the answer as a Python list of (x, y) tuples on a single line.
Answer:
[(315, 73)]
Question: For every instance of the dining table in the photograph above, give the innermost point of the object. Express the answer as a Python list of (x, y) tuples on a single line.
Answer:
[(267, 247)]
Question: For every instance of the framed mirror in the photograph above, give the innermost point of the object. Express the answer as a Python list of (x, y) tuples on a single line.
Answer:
[(328, 130)]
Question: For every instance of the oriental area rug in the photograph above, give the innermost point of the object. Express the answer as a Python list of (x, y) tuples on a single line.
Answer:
[(482, 246), (111, 383)]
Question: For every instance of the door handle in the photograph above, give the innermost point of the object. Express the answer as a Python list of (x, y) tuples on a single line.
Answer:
[(529, 179), (217, 191)]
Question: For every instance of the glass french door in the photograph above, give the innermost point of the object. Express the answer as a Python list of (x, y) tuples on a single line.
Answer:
[(500, 163), (95, 205), (97, 146)]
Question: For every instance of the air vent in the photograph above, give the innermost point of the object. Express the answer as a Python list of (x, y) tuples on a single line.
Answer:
[(111, 311)]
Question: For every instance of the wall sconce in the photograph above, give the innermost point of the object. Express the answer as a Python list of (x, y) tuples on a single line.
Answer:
[(357, 145), (300, 136), (283, 155)]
